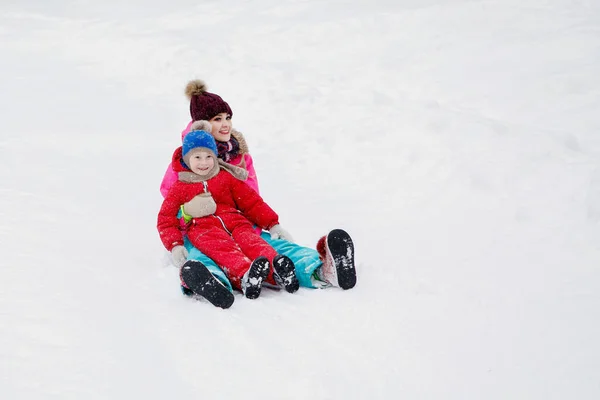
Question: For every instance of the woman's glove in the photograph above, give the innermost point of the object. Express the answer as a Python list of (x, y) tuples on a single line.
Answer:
[(179, 254), (277, 232)]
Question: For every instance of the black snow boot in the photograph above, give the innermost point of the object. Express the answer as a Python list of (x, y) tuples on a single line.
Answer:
[(253, 278), (284, 273), (338, 265), (200, 281)]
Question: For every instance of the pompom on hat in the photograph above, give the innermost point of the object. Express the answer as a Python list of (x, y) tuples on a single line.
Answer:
[(203, 104)]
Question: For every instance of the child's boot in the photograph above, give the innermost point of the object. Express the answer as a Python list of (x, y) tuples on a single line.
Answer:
[(197, 279), (284, 273), (337, 253), (254, 277)]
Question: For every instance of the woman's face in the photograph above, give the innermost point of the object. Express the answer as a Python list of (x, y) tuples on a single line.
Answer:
[(221, 127)]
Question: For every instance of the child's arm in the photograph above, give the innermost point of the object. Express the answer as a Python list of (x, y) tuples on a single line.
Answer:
[(251, 204), (168, 223)]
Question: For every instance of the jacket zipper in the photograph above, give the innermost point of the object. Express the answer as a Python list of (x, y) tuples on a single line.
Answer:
[(216, 216)]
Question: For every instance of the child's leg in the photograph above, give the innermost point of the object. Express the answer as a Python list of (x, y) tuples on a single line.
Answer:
[(216, 244), (305, 260), (254, 246), (284, 273), (196, 255), (253, 279)]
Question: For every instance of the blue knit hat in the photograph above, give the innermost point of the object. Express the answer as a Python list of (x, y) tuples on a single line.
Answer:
[(196, 140)]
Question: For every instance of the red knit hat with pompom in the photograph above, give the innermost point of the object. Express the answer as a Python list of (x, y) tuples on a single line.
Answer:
[(204, 105)]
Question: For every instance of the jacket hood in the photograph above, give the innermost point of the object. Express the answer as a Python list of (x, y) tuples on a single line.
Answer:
[(177, 161), (241, 140)]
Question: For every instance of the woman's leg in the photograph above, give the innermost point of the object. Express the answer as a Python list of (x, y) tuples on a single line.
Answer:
[(306, 260)]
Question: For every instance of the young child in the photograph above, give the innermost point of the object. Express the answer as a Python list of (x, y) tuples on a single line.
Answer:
[(222, 208)]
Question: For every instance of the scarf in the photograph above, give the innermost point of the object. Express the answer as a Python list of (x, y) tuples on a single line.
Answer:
[(227, 151), (191, 177)]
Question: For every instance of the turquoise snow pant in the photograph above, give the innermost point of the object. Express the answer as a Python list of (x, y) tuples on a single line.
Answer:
[(305, 260)]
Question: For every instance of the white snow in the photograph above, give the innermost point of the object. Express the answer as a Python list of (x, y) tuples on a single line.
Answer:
[(456, 141)]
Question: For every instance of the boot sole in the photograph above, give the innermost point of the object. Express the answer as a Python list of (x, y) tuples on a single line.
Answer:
[(341, 248), (259, 269), (201, 282), (286, 271)]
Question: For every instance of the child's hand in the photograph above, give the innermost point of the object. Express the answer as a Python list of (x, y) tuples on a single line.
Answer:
[(179, 254), (277, 232)]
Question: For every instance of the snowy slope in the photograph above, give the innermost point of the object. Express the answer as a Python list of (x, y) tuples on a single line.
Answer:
[(457, 141)]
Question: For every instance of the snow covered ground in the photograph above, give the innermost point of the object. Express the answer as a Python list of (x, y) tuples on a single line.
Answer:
[(457, 141)]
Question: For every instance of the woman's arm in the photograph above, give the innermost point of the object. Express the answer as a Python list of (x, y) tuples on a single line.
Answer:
[(186, 130), (168, 180), (252, 180)]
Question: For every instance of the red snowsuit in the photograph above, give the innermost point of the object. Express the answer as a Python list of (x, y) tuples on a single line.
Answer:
[(227, 236)]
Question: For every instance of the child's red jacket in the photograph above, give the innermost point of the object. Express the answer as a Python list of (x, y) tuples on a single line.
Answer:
[(237, 203)]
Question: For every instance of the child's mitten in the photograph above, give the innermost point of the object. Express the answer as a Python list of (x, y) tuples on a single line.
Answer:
[(179, 254)]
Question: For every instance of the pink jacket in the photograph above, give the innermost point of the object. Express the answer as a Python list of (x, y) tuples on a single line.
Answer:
[(244, 160)]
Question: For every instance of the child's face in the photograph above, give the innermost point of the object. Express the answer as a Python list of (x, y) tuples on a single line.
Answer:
[(221, 127), (202, 162)]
